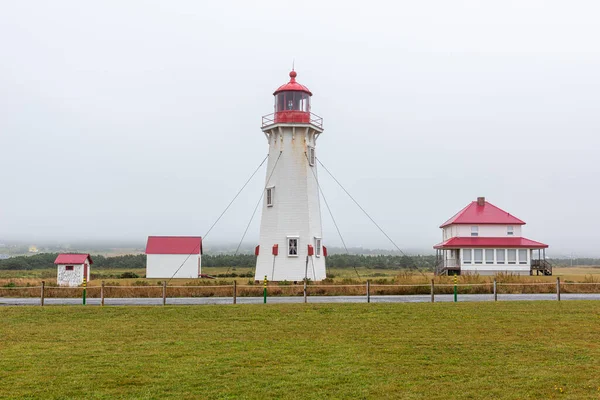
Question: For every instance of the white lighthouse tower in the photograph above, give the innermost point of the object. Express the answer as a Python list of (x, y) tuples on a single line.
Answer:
[(290, 246)]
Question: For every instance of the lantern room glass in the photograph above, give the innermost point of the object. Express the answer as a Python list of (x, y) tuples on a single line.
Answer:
[(292, 101)]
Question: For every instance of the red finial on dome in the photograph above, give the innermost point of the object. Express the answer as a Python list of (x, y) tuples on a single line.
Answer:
[(292, 85)]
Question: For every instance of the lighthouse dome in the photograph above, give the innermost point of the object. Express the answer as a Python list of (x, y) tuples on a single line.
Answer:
[(292, 86)]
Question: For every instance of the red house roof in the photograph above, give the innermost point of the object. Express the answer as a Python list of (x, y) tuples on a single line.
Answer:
[(174, 245), (490, 242), (293, 86), (69, 258), (482, 212)]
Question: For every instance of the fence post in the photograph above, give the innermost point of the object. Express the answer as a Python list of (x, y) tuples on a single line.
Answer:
[(495, 290), (234, 292), (368, 291), (164, 292), (432, 292), (558, 288), (455, 288), (102, 294), (305, 294), (265, 291), (42, 294)]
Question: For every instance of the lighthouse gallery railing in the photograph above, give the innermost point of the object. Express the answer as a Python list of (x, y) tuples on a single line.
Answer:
[(293, 118)]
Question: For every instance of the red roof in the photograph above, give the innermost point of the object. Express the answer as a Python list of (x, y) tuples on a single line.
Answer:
[(174, 245), (503, 242), (485, 214), (69, 258), (292, 85)]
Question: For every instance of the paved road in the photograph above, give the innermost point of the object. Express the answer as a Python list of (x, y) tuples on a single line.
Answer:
[(5, 301)]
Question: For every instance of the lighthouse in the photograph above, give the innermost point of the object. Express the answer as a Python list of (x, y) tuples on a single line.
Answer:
[(291, 239)]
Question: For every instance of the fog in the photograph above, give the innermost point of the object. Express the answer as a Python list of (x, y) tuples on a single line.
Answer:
[(120, 120)]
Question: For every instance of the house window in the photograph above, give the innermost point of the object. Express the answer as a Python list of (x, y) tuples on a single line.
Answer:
[(512, 256), (311, 156), (292, 246), (318, 246), (522, 256), (478, 256), (68, 268), (500, 256), (510, 230), (489, 256), (270, 195), (474, 231), (467, 256)]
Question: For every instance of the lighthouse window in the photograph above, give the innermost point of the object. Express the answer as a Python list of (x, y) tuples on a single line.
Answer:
[(292, 246), (292, 101), (270, 195), (318, 247), (311, 156)]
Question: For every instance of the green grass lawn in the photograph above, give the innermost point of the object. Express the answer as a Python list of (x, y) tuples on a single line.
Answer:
[(512, 350)]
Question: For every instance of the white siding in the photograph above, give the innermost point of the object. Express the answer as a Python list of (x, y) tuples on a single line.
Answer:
[(485, 230), (296, 209), (70, 278), (165, 265)]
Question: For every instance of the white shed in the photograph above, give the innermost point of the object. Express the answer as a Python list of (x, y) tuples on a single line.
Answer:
[(173, 256), (72, 269)]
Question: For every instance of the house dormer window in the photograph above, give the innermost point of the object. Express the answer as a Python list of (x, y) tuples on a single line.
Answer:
[(474, 231), (510, 230)]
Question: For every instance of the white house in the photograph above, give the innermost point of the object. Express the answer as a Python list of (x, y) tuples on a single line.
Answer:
[(173, 256), (291, 239), (72, 268), (483, 239)]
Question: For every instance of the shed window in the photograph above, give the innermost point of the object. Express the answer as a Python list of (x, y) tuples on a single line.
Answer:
[(270, 196), (478, 256), (522, 256), (467, 256), (500, 256), (489, 256), (292, 246), (512, 256), (474, 231), (68, 268)]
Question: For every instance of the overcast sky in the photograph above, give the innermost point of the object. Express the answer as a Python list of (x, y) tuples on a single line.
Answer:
[(122, 119)]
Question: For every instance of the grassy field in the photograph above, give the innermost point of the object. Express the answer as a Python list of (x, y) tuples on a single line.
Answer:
[(366, 351)]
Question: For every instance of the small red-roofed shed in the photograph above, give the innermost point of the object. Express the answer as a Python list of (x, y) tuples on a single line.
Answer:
[(72, 268), (173, 256)]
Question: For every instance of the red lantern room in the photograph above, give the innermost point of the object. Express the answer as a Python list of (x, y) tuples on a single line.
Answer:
[(292, 105)]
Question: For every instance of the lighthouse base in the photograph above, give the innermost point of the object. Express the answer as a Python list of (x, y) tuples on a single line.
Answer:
[(280, 268)]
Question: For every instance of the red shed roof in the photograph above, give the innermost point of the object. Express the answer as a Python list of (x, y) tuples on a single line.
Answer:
[(70, 258), (174, 245), (483, 214), (501, 242), (292, 85)]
